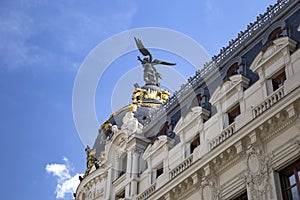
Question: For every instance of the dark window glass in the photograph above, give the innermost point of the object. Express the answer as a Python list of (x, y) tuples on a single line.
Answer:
[(290, 181), (195, 143), (278, 80), (277, 33), (164, 130), (233, 113), (160, 170), (197, 100), (234, 69)]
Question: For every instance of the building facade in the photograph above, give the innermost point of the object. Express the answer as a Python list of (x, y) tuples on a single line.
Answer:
[(231, 132)]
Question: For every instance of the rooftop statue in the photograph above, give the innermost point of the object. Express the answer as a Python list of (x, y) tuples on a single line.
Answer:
[(90, 160), (151, 75)]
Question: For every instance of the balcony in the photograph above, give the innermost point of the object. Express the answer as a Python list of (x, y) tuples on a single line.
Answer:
[(269, 102), (147, 192), (225, 134), (181, 167)]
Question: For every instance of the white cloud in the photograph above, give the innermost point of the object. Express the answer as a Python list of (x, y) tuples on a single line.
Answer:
[(66, 184)]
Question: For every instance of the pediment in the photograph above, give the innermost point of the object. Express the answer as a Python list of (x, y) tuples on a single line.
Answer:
[(152, 148), (228, 87), (189, 117), (272, 50)]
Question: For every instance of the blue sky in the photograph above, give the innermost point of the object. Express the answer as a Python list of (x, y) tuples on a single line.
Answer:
[(43, 44)]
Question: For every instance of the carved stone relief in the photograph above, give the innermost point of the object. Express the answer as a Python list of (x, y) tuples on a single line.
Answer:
[(210, 188), (257, 175)]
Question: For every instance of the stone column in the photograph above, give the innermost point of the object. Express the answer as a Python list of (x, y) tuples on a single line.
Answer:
[(135, 171), (128, 174), (135, 163)]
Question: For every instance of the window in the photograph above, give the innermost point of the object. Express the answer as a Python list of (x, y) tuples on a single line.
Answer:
[(233, 113), (234, 69), (159, 170), (277, 33), (278, 81), (242, 197), (195, 143), (290, 182), (164, 130), (197, 100)]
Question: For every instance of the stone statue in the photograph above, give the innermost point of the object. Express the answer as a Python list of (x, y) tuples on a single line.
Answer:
[(131, 125), (151, 76), (90, 160)]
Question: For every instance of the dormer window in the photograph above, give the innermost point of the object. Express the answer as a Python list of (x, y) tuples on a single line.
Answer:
[(278, 80), (233, 70), (165, 129), (277, 33), (197, 101), (159, 170), (195, 143), (233, 113)]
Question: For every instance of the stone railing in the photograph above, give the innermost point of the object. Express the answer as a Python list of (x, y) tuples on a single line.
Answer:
[(244, 36), (226, 133), (270, 101), (181, 167), (147, 192)]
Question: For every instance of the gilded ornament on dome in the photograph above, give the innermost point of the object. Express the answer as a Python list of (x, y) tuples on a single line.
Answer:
[(90, 160)]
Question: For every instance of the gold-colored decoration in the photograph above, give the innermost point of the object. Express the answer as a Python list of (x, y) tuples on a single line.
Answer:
[(140, 94), (106, 126), (90, 160)]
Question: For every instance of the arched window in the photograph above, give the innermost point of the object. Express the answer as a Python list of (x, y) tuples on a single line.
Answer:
[(277, 33), (197, 101), (234, 69), (165, 129)]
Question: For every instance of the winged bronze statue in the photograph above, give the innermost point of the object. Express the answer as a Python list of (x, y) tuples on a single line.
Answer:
[(146, 52), (151, 75)]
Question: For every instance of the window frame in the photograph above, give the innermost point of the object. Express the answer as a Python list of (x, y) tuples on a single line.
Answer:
[(235, 109), (284, 178), (196, 141)]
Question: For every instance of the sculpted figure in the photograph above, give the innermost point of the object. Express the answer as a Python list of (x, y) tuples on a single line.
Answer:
[(151, 75)]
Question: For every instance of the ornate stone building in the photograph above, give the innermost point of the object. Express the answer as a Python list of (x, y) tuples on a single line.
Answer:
[(231, 132)]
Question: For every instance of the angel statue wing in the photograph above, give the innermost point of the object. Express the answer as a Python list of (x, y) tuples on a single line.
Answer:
[(142, 49), (162, 62)]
